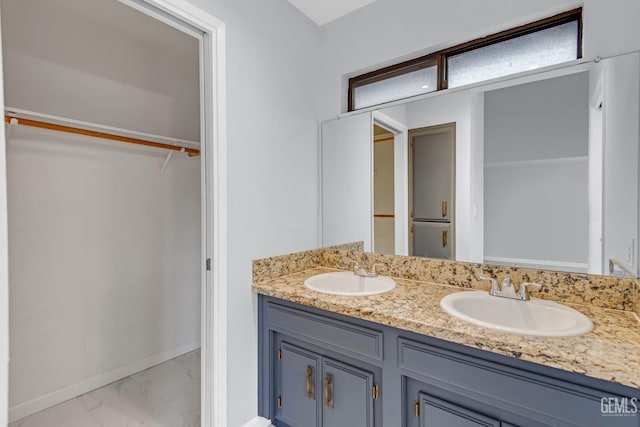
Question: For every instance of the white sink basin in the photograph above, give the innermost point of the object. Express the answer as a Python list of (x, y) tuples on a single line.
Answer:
[(535, 317), (347, 283)]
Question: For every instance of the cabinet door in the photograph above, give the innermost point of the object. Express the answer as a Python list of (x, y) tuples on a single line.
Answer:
[(432, 160), (347, 395), (435, 412), (296, 399), (432, 240)]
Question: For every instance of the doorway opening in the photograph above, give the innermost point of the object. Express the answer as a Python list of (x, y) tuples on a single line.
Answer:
[(389, 192), (104, 171), (383, 191)]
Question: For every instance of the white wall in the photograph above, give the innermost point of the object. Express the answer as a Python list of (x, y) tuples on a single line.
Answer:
[(105, 260), (347, 181), (272, 92), (104, 63), (388, 31)]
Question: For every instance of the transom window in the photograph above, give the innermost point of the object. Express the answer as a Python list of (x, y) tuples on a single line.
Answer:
[(542, 43)]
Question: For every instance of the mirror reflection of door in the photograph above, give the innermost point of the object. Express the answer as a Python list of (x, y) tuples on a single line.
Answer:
[(432, 191), (383, 191)]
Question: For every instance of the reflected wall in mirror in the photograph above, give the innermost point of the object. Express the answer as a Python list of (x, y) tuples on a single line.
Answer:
[(536, 203), (546, 170)]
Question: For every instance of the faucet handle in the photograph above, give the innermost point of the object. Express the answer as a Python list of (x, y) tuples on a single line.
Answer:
[(358, 269), (355, 263), (495, 290), (522, 292), (373, 268)]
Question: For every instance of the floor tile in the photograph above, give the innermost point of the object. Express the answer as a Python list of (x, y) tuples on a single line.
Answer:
[(192, 361), (163, 378), (170, 419), (185, 400), (124, 403), (68, 414), (166, 395)]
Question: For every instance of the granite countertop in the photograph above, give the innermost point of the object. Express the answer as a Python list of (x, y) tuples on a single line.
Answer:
[(610, 352)]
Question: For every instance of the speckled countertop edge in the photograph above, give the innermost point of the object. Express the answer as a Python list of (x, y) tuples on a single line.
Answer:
[(610, 352)]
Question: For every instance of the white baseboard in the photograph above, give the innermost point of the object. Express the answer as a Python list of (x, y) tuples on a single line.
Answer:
[(258, 422), (50, 399)]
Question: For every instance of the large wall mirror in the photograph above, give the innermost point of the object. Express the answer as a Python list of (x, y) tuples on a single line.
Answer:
[(537, 170)]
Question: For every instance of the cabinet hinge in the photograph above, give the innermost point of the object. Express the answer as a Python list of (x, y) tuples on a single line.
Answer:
[(279, 401), (279, 354), (416, 408), (208, 266), (375, 391)]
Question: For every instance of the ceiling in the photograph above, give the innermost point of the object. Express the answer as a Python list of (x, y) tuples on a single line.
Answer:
[(323, 11)]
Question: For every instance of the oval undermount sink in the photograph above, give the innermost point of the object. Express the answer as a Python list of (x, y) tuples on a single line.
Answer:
[(347, 283), (536, 317)]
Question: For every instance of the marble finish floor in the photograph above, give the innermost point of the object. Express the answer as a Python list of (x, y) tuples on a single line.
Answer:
[(166, 395)]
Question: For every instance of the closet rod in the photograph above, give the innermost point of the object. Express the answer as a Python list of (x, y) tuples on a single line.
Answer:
[(103, 135)]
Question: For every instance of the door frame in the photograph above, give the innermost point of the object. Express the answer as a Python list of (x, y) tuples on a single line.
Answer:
[(213, 197), (4, 267), (213, 200), (400, 180)]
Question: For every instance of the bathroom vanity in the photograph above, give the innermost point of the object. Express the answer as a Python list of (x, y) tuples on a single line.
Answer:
[(397, 359)]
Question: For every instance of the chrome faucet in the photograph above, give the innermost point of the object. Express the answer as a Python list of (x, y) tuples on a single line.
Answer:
[(507, 290), (360, 270)]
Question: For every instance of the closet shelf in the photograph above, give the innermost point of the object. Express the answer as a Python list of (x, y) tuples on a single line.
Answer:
[(25, 118)]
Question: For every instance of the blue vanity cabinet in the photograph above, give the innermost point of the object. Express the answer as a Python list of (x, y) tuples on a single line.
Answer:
[(318, 371), (483, 391), (313, 390), (319, 368), (296, 378), (348, 395)]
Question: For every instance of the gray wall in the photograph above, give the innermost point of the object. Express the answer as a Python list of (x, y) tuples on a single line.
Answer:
[(535, 176)]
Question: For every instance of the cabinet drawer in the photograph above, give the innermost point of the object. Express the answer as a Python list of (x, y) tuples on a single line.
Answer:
[(328, 332), (534, 396), (436, 412)]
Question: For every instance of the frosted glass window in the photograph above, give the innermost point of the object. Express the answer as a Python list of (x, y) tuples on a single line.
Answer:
[(549, 41), (542, 48), (405, 85)]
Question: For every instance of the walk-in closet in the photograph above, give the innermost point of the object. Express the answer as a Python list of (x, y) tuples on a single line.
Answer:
[(103, 131)]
